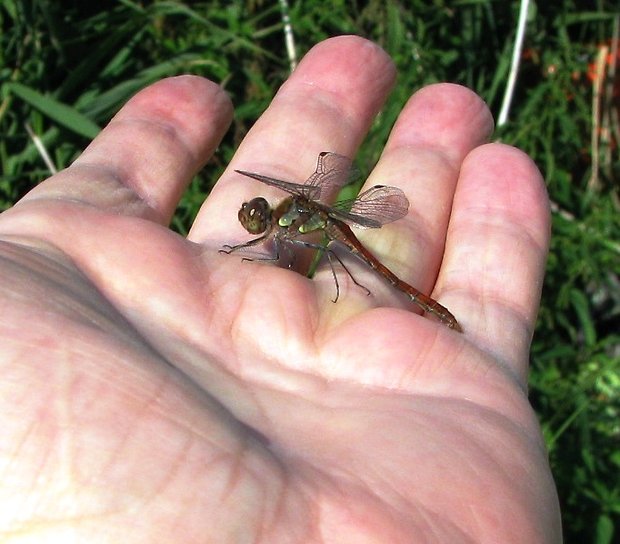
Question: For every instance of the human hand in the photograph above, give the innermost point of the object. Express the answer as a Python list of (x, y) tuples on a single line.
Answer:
[(156, 390)]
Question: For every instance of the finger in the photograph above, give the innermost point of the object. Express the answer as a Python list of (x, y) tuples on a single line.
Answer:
[(438, 126), (327, 104), (143, 160), (497, 247)]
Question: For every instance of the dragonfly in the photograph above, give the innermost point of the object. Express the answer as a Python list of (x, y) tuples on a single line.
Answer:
[(305, 211)]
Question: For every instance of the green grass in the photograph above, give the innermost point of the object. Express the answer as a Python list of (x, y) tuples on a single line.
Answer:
[(65, 69)]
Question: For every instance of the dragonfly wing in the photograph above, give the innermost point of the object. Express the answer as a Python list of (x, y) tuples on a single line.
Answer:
[(332, 172), (373, 208), (288, 186)]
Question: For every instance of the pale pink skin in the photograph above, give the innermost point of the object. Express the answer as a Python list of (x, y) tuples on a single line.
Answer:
[(154, 390)]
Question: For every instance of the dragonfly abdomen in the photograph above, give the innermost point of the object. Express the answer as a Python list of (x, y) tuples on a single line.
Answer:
[(343, 233)]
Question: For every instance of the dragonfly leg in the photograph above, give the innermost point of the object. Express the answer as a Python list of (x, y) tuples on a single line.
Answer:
[(331, 267), (279, 249), (332, 254), (228, 249)]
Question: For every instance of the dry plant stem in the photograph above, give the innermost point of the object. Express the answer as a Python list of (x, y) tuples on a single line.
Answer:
[(41, 149), (597, 84), (289, 39), (514, 66), (611, 112), (604, 115)]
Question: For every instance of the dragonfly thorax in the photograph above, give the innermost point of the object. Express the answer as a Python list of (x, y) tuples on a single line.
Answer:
[(296, 214)]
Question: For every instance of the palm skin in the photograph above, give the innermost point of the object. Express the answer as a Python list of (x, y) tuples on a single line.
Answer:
[(154, 390)]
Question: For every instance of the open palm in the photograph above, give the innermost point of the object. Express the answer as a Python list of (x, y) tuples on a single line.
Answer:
[(154, 390)]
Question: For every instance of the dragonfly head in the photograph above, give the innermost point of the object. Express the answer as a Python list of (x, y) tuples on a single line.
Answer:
[(255, 215)]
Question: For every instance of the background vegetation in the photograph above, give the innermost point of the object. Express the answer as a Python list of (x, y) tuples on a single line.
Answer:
[(67, 67)]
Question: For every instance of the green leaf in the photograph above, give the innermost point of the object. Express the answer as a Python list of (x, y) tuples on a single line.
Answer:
[(604, 530), (582, 309), (63, 114)]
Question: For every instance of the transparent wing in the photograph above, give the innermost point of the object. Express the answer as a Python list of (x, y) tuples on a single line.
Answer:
[(373, 208), (288, 186), (332, 172)]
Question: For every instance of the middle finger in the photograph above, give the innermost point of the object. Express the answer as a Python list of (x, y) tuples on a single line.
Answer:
[(327, 104)]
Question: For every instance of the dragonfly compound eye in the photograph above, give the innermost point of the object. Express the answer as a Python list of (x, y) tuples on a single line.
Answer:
[(255, 215)]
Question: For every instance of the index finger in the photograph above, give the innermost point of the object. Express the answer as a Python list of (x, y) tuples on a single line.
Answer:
[(142, 161), (327, 104)]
